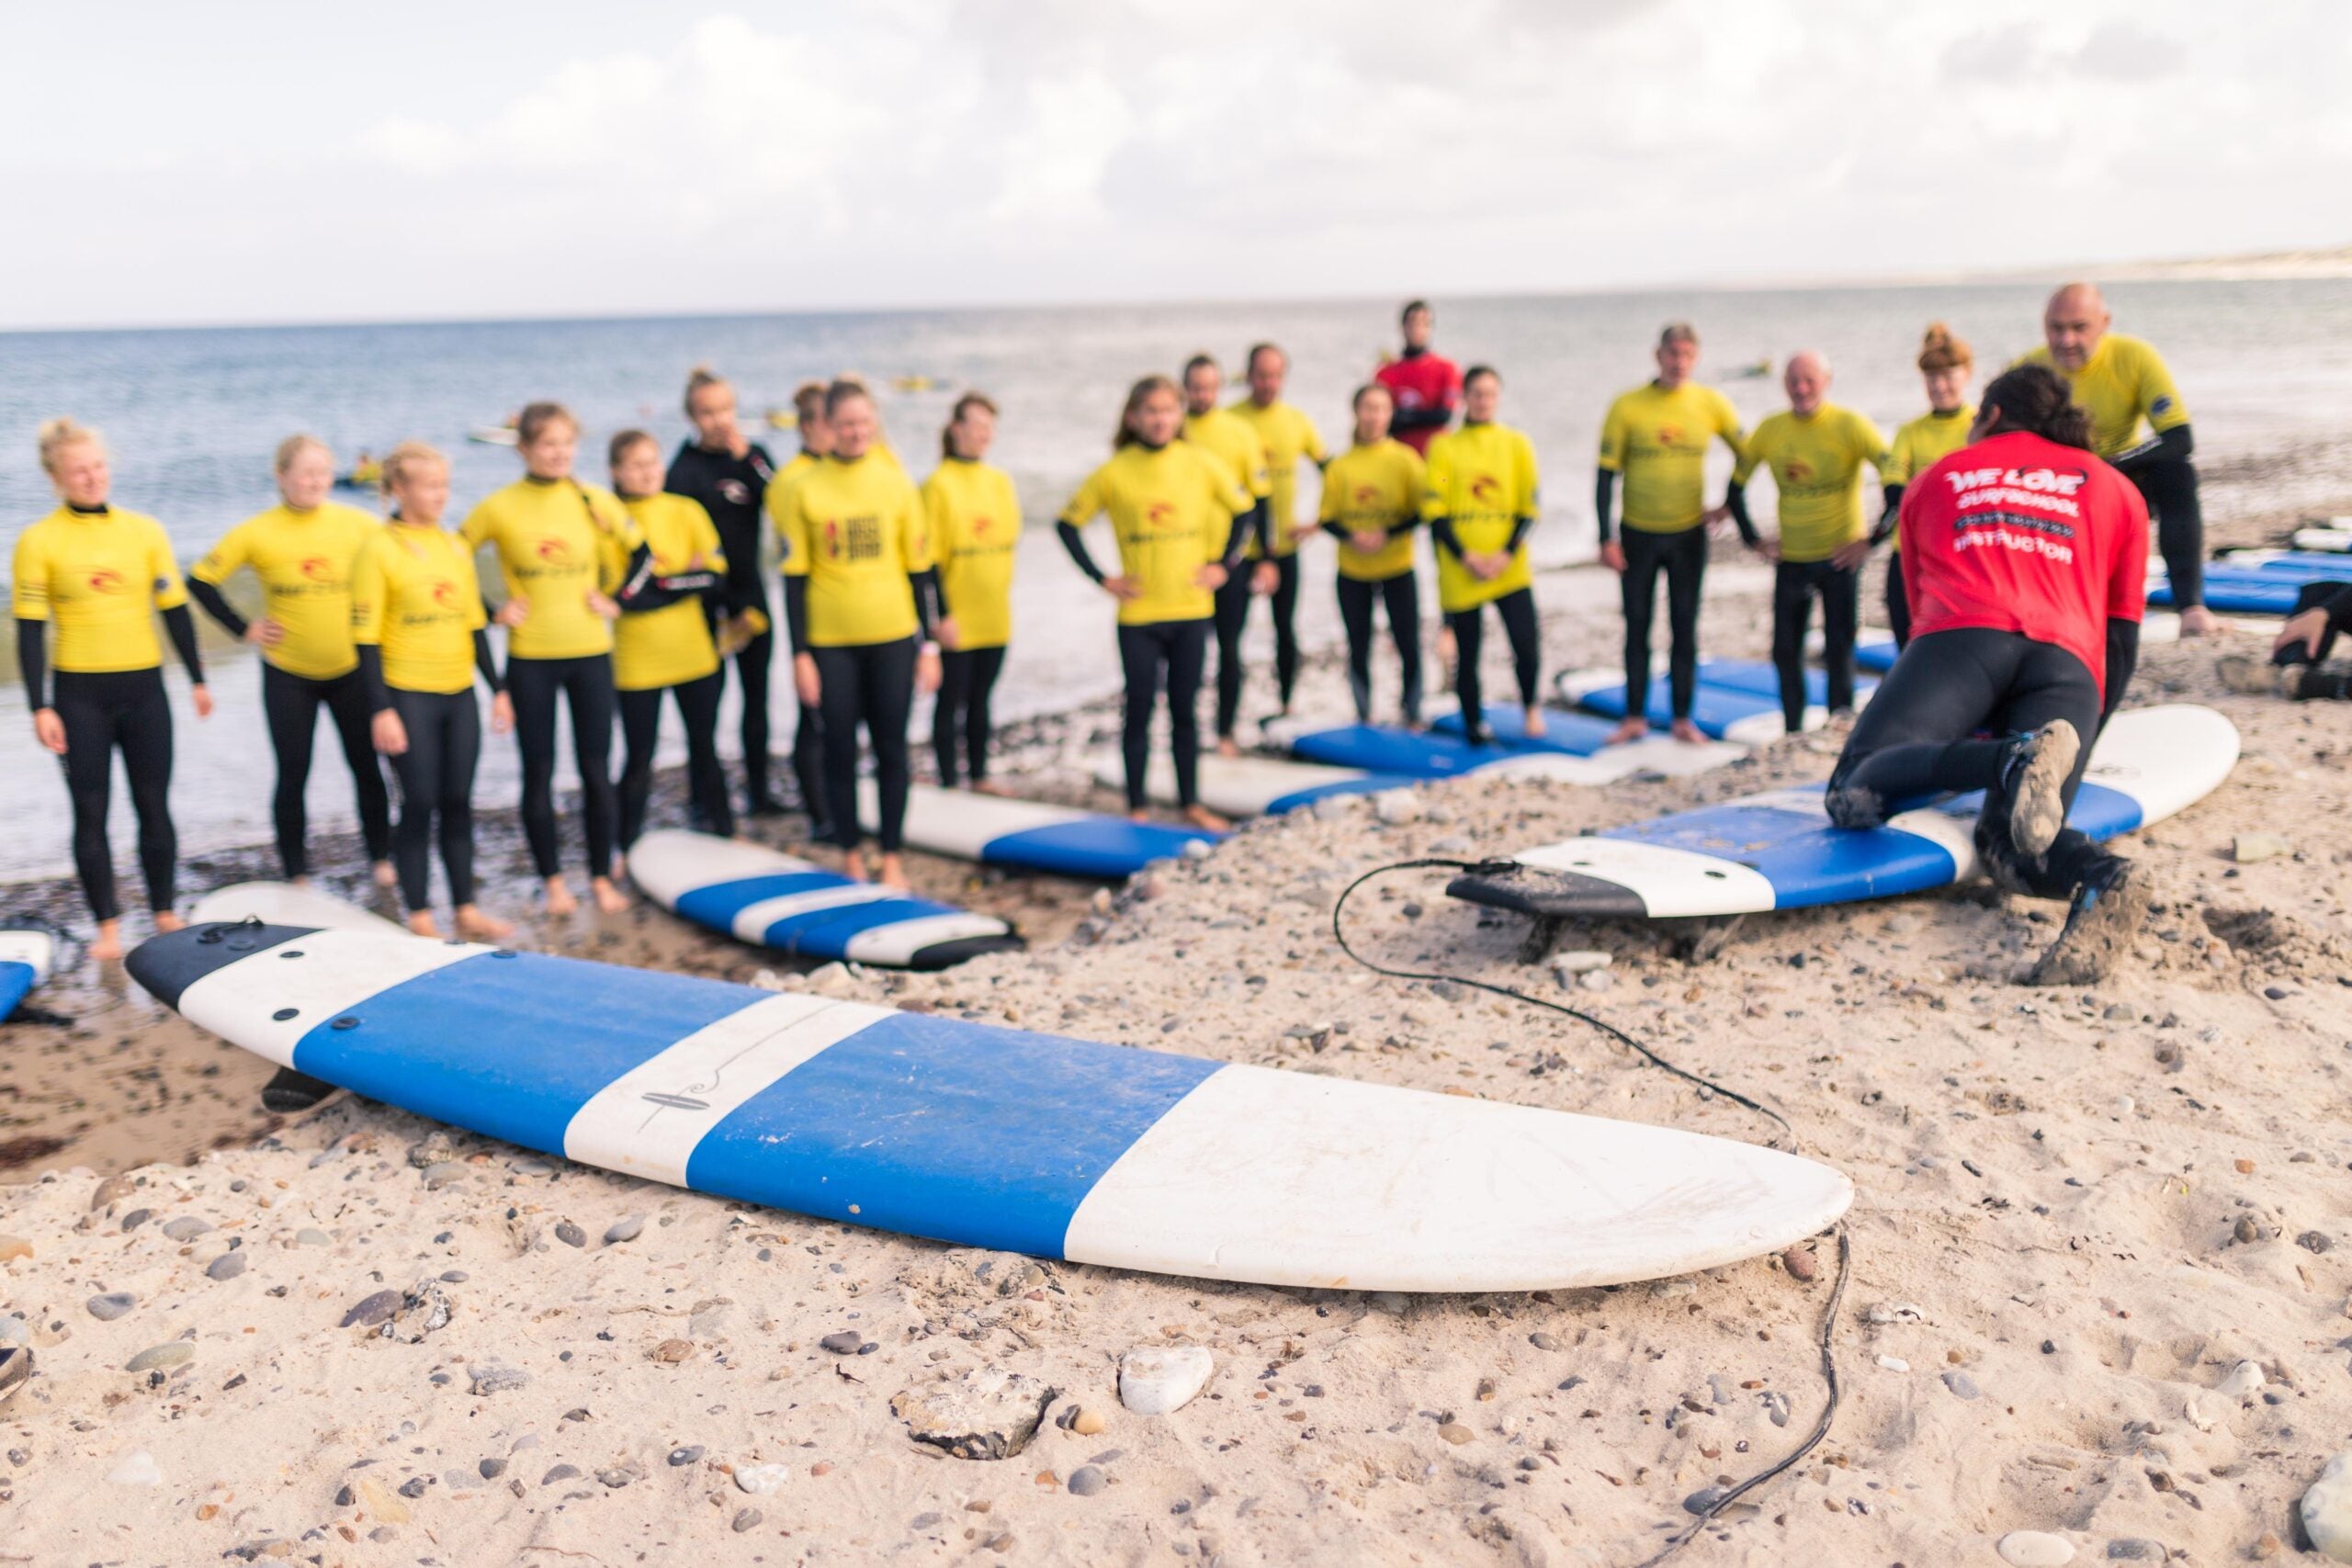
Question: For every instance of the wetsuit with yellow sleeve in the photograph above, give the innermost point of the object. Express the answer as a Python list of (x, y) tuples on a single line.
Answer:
[(1817, 463), (1479, 499), (100, 576), (974, 520), (560, 541), (1173, 509), (2126, 385), (303, 560), (1377, 489), (678, 579), (860, 591), (417, 625), (1918, 446), (1656, 439)]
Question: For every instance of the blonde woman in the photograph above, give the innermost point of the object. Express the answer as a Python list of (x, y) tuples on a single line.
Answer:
[(677, 581), (1945, 365), (975, 521), (302, 550), (100, 575), (417, 628), (562, 548)]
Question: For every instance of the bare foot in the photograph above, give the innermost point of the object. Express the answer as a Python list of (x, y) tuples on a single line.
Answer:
[(1139, 814), (560, 900), (420, 924), (1535, 724), (610, 900), (298, 882), (1632, 728), (1227, 746), (2199, 621), (475, 926), (385, 876), (854, 866), (168, 921), (108, 947), (990, 786), (1688, 733), (893, 872), (1201, 817)]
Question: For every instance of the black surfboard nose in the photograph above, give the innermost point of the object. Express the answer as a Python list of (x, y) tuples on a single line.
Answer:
[(167, 964)]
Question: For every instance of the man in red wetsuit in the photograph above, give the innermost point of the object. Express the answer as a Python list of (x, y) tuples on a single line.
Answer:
[(1426, 387), (2025, 560)]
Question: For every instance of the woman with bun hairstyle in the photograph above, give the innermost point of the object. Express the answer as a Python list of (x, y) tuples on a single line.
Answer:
[(1945, 363), (100, 575)]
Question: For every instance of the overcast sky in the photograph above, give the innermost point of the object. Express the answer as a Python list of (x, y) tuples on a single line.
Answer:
[(266, 162)]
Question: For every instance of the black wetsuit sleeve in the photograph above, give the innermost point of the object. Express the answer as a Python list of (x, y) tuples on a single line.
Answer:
[(1890, 519), (1420, 419), (2173, 445), (181, 626), (1258, 523), (1338, 531), (32, 662), (1247, 526), (1520, 525), (2122, 659), (486, 660), (642, 590), (1735, 502), (372, 676), (2338, 608), (217, 605), (1604, 502), (928, 602), (1076, 545), (795, 612), (1442, 531)]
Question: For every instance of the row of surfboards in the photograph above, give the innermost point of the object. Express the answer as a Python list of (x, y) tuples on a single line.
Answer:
[(2265, 582)]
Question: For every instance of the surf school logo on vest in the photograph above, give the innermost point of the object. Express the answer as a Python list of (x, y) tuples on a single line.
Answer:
[(317, 569), (1670, 434), (1486, 490), (1797, 471), (105, 581), (444, 594), (1367, 495), (735, 492)]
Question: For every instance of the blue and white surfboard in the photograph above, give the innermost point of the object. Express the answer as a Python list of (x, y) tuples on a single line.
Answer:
[(1735, 700), (1027, 835), (2329, 541), (1878, 653), (25, 953), (773, 900), (1246, 785), (982, 1136), (1779, 851), (1421, 755)]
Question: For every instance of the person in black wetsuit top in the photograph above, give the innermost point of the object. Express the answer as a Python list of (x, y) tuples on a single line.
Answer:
[(2323, 612), (729, 474)]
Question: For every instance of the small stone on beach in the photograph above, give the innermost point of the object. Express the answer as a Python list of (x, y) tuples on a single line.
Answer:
[(1156, 1380)]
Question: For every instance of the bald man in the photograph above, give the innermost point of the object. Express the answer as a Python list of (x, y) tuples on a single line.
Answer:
[(2123, 385), (1815, 451)]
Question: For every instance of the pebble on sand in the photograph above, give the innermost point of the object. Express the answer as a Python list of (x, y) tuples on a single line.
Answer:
[(745, 1518), (627, 1229), (2243, 1379), (228, 1266), (1156, 1380), (111, 1306), (169, 1354), (1801, 1263), (1087, 1480), (2248, 848), (137, 1468), (186, 1228), (2035, 1549), (370, 1311), (14, 1246), (495, 1377), (2327, 1510), (761, 1480)]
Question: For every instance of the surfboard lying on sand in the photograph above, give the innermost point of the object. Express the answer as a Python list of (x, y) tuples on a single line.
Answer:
[(983, 1136), (1879, 654), (2326, 540), (1027, 835), (283, 904), (1779, 850), (1249, 786), (1735, 700), (27, 952), (1572, 734), (773, 900)]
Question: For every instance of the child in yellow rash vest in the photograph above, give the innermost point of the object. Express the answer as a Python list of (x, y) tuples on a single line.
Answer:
[(1945, 365), (417, 629), (675, 586), (975, 521), (1371, 503), (302, 550), (562, 548), (1815, 451), (1479, 501), (1177, 513), (1290, 441)]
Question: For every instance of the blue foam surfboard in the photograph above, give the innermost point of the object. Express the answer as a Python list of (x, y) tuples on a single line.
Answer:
[(26, 952), (1027, 835), (1566, 733), (985, 1136)]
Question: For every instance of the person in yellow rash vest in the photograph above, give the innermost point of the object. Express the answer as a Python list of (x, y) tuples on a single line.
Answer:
[(1291, 442), (302, 550), (418, 628), (1480, 501), (562, 548), (1181, 517), (100, 575), (1945, 365), (1657, 436), (975, 521), (1234, 442), (2123, 384), (1371, 503), (861, 598), (675, 587), (807, 725), (1815, 451)]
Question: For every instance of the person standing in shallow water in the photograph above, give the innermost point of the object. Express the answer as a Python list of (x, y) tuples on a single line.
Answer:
[(99, 575), (302, 550)]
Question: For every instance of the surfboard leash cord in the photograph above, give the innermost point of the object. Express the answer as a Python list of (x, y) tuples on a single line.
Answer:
[(1828, 1339)]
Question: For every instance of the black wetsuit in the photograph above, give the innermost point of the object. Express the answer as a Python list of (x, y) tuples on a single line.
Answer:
[(2335, 598), (1682, 555), (732, 489)]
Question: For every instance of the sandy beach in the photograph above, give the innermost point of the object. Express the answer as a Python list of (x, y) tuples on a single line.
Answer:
[(2096, 1285)]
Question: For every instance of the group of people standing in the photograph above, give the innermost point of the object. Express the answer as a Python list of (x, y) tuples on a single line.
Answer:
[(614, 597)]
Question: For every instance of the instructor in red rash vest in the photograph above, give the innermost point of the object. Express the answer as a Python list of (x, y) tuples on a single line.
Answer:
[(2025, 559), (1426, 387)]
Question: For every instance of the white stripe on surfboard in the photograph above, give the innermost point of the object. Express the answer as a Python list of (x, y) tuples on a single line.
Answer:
[(1621, 1199), (962, 823), (752, 920), (1662, 876), (647, 1121), (670, 862), (337, 970), (897, 944)]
